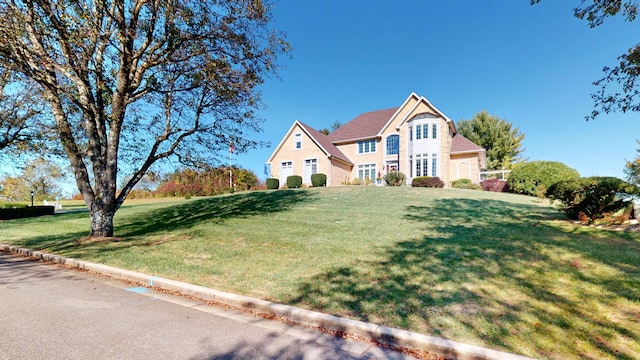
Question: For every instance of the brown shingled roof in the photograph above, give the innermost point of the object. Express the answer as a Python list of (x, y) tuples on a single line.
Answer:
[(462, 144), (325, 143), (366, 125)]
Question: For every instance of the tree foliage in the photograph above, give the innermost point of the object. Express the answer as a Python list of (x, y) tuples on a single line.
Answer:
[(592, 197), (209, 182), (40, 176), (21, 110), (139, 81), (535, 177), (499, 137), (619, 89), (335, 126), (632, 169)]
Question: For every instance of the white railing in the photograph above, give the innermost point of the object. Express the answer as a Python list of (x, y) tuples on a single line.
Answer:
[(497, 174)]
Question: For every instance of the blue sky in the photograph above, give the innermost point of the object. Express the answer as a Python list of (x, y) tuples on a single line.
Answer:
[(530, 65)]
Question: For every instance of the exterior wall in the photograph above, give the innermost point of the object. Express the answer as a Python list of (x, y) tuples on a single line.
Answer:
[(339, 173), (288, 152), (464, 166), (445, 155), (445, 137), (351, 151)]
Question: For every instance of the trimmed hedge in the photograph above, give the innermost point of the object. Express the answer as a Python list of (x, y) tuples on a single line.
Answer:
[(535, 177), (26, 212), (591, 197), (465, 184), (318, 180), (427, 181), (395, 178), (273, 183), (494, 185), (294, 181)]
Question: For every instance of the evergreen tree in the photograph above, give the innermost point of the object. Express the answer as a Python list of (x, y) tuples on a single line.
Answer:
[(499, 137)]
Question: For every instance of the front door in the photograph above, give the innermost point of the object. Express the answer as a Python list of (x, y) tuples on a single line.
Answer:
[(392, 166)]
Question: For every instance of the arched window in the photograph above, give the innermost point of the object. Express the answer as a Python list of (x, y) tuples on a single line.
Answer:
[(393, 144)]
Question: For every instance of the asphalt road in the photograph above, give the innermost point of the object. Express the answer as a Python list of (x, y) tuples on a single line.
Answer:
[(50, 312)]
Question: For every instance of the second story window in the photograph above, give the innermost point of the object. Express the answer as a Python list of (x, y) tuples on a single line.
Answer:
[(298, 141), (366, 147), (393, 145), (418, 132)]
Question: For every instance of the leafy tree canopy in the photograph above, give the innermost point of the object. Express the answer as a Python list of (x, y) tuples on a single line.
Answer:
[(499, 137), (21, 113), (619, 89), (139, 81)]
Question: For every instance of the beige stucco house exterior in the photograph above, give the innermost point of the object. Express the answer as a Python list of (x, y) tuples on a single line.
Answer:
[(415, 138)]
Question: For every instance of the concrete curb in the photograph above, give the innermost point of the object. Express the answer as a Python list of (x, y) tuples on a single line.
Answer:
[(382, 334)]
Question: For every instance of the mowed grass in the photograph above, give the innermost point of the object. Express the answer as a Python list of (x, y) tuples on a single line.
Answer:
[(495, 270)]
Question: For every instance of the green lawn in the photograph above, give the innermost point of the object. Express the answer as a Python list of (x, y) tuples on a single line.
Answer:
[(495, 270)]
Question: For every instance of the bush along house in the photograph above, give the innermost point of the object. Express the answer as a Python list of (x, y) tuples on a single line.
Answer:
[(415, 138)]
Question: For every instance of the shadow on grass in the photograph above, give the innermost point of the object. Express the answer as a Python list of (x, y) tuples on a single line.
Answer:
[(214, 209), (494, 276), (129, 230)]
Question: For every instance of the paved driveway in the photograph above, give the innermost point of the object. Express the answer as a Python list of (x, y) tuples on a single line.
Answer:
[(49, 312)]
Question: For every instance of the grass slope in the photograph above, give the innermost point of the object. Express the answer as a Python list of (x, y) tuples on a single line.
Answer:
[(495, 270)]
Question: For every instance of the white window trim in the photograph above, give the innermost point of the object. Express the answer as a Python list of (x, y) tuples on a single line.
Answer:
[(295, 141), (369, 166), (386, 148), (306, 180), (374, 141)]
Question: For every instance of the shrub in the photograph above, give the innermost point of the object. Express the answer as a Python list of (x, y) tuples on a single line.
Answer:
[(395, 178), (318, 180), (294, 181), (273, 183), (591, 198), (427, 181), (25, 212), (465, 184), (495, 185), (461, 183), (535, 177)]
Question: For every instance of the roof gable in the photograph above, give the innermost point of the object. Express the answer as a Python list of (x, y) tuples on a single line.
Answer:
[(319, 139), (461, 144), (413, 111), (324, 143)]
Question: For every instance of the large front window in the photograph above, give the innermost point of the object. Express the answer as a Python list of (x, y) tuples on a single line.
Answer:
[(393, 145), (423, 165), (367, 172), (366, 147)]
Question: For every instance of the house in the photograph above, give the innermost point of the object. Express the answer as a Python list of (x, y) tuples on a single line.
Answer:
[(415, 138)]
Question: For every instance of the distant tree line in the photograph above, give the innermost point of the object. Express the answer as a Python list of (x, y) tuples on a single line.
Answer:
[(189, 182)]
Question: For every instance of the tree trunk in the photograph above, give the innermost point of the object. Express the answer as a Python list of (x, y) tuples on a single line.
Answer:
[(101, 223)]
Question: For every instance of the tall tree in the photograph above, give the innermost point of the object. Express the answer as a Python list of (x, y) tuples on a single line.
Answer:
[(138, 81), (42, 176), (499, 137), (619, 89)]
